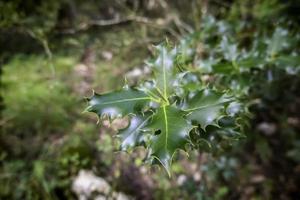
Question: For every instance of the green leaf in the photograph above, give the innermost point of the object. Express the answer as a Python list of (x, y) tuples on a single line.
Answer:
[(186, 82), (290, 63), (118, 103), (206, 107), (251, 62), (164, 71), (278, 42), (206, 66), (199, 141), (229, 49), (172, 132), (223, 68), (134, 134), (149, 87)]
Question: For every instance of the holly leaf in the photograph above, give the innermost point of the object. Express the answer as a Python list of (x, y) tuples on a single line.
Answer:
[(278, 42), (134, 134), (289, 62), (229, 49), (164, 71), (118, 103), (172, 132), (206, 106)]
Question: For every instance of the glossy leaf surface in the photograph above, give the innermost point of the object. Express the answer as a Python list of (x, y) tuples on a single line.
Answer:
[(118, 103), (134, 134), (172, 134), (206, 107)]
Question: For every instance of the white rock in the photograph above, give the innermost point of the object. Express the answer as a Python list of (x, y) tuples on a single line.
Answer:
[(100, 197), (121, 196), (87, 182), (107, 55), (267, 128), (181, 179)]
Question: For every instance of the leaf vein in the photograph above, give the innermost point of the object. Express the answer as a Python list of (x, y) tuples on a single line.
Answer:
[(125, 100), (166, 127)]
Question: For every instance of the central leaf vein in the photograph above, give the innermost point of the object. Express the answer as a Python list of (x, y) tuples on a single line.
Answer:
[(164, 74), (206, 106), (126, 100), (166, 127)]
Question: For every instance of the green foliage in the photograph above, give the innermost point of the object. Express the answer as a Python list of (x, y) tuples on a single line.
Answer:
[(118, 103), (42, 103), (31, 13), (175, 108), (171, 133), (245, 58), (164, 110)]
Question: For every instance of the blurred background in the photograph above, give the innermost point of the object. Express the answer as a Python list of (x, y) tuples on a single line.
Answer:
[(54, 53)]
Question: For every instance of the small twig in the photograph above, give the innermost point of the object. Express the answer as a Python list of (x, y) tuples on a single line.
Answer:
[(222, 3), (47, 50), (110, 22), (119, 21), (159, 23), (181, 25)]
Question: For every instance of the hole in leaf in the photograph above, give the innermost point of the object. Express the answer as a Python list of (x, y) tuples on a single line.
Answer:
[(157, 132)]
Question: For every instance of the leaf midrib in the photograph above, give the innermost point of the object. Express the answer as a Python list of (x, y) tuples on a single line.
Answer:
[(125, 100), (164, 74), (206, 106), (166, 127)]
